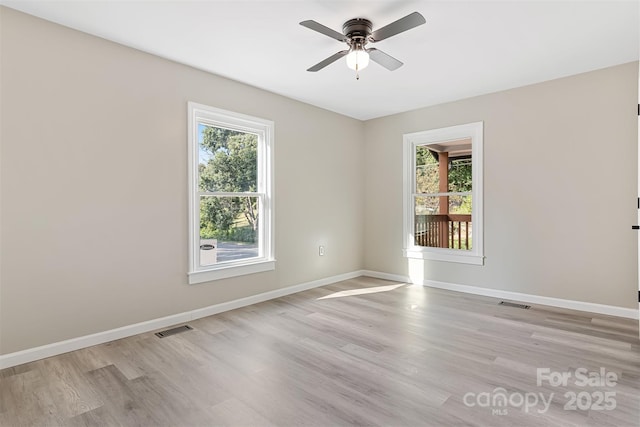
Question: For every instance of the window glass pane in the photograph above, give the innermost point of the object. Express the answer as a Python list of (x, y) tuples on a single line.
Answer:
[(460, 174), (228, 229), (460, 205), (427, 205), (227, 160), (443, 222), (427, 178)]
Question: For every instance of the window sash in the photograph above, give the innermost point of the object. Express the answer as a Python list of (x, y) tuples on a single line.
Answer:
[(262, 252)]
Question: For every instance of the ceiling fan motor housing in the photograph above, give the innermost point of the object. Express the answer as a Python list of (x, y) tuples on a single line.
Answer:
[(358, 28)]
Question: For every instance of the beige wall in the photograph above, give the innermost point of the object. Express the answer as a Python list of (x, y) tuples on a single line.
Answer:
[(94, 185), (560, 186), (94, 203)]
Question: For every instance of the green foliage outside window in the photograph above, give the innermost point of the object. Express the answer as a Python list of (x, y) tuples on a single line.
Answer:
[(228, 163), (427, 181)]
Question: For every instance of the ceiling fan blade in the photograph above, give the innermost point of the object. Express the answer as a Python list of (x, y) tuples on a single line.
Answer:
[(333, 58), (315, 26), (387, 61), (403, 24)]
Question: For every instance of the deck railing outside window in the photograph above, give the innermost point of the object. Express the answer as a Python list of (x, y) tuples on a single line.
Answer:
[(453, 231)]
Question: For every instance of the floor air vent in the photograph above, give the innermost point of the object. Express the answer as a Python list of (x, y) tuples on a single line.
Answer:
[(513, 304), (173, 331)]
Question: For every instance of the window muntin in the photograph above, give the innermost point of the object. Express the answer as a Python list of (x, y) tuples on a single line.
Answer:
[(443, 194), (231, 199)]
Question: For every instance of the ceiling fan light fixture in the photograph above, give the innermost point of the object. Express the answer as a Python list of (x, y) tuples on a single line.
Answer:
[(357, 33), (357, 58)]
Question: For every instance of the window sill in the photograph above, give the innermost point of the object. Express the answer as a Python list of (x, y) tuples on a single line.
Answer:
[(225, 272), (444, 255)]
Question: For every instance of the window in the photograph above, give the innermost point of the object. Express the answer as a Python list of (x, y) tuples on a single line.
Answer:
[(230, 194), (443, 194)]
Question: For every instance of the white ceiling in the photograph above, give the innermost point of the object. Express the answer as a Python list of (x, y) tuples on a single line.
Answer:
[(465, 48)]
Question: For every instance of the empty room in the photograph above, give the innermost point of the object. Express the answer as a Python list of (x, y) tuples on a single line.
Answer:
[(319, 213)]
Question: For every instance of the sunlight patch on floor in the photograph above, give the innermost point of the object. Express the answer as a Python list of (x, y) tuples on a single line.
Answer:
[(363, 291)]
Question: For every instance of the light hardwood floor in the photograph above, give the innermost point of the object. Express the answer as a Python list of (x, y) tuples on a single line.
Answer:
[(360, 352)]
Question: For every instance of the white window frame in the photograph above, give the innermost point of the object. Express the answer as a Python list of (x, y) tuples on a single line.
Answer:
[(410, 142), (264, 129)]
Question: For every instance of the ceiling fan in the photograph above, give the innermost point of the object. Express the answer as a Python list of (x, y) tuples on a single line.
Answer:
[(357, 33)]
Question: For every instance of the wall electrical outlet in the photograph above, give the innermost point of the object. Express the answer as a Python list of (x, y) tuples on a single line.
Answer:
[(321, 250)]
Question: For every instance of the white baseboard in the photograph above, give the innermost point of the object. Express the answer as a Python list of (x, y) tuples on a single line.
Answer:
[(36, 353), (386, 276), (590, 307), (254, 299)]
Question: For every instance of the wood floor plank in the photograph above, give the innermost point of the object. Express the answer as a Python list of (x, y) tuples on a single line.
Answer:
[(234, 412), (360, 352)]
